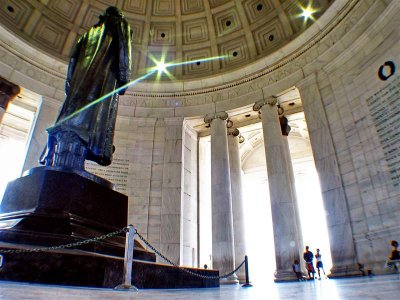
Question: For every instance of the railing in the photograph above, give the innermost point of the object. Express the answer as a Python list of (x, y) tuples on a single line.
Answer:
[(128, 259)]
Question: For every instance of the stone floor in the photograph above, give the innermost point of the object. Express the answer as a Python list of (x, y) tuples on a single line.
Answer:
[(379, 287)]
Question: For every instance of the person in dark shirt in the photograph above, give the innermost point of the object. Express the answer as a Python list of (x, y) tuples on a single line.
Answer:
[(308, 257), (395, 255)]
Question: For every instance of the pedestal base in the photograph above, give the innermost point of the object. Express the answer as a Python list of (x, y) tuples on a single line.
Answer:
[(345, 271), (54, 207), (50, 207), (285, 276), (230, 280), (80, 268)]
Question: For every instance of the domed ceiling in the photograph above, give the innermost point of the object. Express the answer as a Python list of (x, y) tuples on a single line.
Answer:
[(179, 30)]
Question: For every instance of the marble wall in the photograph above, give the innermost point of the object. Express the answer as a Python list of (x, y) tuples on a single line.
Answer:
[(345, 84), (154, 149)]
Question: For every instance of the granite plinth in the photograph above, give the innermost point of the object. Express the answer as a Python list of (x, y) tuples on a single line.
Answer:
[(79, 268), (52, 207)]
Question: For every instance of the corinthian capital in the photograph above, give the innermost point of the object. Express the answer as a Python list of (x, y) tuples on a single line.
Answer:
[(234, 132), (218, 115), (270, 100)]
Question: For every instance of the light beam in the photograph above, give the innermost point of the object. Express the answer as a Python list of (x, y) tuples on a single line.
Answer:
[(102, 98), (161, 67)]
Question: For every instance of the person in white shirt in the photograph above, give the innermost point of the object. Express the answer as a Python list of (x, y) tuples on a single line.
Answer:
[(319, 263)]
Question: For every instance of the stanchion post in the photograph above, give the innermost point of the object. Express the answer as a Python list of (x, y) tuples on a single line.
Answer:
[(246, 266), (128, 261)]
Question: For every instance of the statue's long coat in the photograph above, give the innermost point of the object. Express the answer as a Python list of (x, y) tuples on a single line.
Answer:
[(100, 63)]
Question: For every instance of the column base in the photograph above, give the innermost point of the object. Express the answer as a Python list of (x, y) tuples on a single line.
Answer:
[(284, 276), (233, 279), (346, 271)]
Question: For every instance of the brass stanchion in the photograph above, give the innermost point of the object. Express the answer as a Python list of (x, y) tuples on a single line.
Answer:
[(246, 266), (128, 260)]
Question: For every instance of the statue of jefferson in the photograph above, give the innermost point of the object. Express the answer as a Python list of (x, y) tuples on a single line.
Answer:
[(100, 63)]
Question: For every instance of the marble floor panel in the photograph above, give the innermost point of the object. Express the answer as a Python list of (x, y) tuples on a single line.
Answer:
[(379, 287)]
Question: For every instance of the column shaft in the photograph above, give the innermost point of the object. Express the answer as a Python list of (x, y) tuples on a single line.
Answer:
[(222, 223), (237, 203), (2, 112), (282, 205), (292, 185)]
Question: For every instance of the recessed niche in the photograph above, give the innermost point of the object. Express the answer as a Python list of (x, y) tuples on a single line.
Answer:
[(234, 53), (10, 8), (228, 23), (259, 7), (271, 37), (163, 35)]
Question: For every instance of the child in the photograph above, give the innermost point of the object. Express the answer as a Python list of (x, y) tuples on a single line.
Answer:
[(319, 264), (296, 269)]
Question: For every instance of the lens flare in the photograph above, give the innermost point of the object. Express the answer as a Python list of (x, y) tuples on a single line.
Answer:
[(160, 67), (307, 13)]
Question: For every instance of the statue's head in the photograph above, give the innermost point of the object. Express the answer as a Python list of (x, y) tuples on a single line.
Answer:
[(111, 12)]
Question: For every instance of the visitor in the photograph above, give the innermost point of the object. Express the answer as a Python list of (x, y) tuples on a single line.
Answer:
[(308, 257), (394, 258), (319, 264), (297, 270)]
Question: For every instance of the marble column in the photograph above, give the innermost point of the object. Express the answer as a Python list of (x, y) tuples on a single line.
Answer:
[(8, 91), (283, 210), (221, 199), (334, 199), (2, 112), (237, 201), (292, 185)]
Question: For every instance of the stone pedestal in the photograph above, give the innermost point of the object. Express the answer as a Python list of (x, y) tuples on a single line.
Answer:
[(50, 207), (283, 211), (79, 268), (222, 223)]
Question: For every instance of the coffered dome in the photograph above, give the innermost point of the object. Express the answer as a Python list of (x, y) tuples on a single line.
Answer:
[(180, 30)]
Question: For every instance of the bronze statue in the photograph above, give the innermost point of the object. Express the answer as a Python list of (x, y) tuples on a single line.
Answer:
[(100, 63)]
